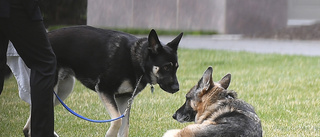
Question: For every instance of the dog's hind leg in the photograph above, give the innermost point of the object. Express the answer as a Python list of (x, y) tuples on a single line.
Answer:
[(64, 85), (63, 88), (110, 104), (122, 102)]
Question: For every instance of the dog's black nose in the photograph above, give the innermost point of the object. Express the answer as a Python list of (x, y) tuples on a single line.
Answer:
[(175, 87), (174, 116)]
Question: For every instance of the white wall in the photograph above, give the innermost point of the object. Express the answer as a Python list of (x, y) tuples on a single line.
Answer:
[(303, 12)]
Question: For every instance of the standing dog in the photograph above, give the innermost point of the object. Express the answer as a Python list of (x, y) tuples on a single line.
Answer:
[(216, 112), (110, 63)]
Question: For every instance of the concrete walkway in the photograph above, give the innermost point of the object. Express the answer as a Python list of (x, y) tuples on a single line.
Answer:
[(236, 43)]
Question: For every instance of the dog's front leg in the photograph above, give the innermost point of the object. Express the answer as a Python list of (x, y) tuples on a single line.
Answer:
[(122, 102), (110, 104)]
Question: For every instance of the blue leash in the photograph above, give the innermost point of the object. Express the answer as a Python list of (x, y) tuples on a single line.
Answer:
[(101, 121), (84, 118)]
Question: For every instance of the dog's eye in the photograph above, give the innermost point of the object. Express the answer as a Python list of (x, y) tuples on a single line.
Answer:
[(168, 66)]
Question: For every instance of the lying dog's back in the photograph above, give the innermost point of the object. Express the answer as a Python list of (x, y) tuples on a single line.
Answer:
[(216, 111), (233, 118)]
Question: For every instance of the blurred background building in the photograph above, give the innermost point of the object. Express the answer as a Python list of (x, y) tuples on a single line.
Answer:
[(303, 12), (223, 16)]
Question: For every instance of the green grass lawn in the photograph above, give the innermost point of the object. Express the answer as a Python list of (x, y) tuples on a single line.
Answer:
[(284, 90)]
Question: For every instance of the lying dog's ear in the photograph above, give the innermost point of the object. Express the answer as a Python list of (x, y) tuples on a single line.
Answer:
[(205, 81), (154, 43), (225, 81), (175, 42)]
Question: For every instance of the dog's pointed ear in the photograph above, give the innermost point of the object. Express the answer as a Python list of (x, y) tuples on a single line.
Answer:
[(225, 81), (154, 43), (175, 42), (205, 81)]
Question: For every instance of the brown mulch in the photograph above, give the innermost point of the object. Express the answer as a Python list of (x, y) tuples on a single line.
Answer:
[(310, 32)]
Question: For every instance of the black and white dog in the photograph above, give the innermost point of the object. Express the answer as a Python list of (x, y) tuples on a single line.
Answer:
[(110, 63)]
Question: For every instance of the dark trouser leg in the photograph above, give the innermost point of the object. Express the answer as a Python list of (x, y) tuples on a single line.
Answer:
[(31, 42), (41, 104), (3, 58), (42, 64)]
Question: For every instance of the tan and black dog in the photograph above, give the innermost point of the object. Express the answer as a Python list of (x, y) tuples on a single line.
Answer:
[(216, 111), (111, 63)]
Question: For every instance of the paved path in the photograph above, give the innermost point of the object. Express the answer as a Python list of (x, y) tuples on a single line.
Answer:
[(236, 43)]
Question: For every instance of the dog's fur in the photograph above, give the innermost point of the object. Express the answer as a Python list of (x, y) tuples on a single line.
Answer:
[(110, 63), (216, 111)]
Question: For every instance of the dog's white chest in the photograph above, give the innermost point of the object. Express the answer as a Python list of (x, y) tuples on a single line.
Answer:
[(125, 87)]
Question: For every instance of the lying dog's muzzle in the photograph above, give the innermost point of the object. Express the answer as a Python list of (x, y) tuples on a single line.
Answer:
[(184, 114), (182, 118), (174, 116)]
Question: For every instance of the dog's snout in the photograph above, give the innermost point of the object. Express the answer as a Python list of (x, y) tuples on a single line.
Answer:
[(174, 116), (175, 87)]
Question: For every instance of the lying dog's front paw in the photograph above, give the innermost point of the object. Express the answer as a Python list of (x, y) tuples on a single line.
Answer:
[(172, 133)]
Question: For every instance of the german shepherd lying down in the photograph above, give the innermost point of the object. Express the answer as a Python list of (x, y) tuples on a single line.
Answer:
[(216, 111)]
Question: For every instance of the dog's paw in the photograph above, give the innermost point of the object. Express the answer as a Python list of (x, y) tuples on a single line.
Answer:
[(172, 133)]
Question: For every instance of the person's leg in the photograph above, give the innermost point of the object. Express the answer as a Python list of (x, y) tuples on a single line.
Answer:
[(3, 57), (41, 61), (30, 40)]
